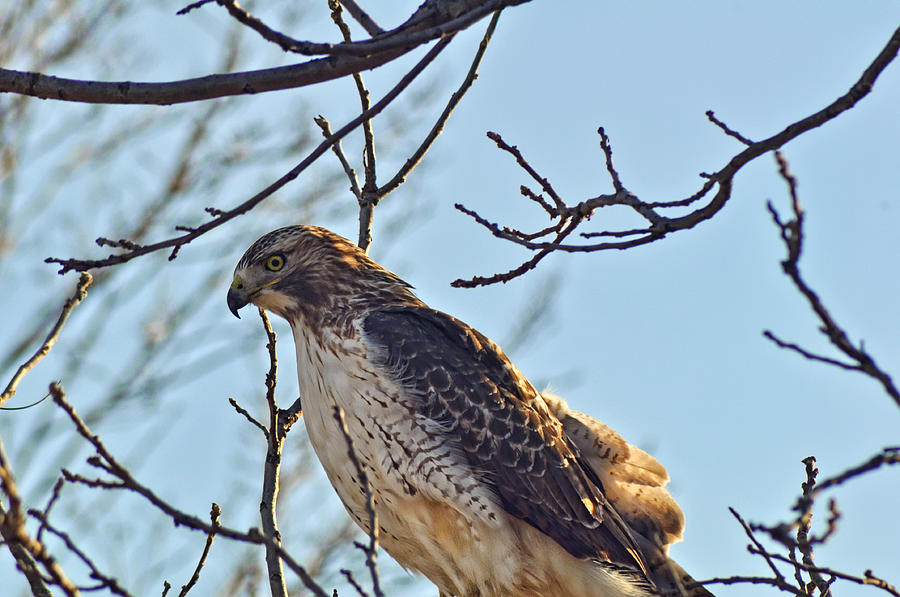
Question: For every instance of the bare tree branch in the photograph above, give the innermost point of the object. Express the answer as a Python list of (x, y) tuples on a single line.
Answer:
[(659, 225), (106, 582), (214, 513), (867, 578), (189, 90), (795, 535), (342, 158), (249, 417), (754, 580), (367, 197), (354, 57), (804, 522), (792, 236), (762, 551), (887, 456)]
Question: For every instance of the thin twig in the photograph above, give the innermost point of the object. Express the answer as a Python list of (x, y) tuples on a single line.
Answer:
[(73, 301), (754, 580), (725, 129), (272, 467), (769, 335), (804, 524), (26, 406), (796, 535), (371, 549), (214, 513), (752, 537), (287, 43), (249, 417), (107, 582), (362, 18), (868, 577), (353, 582), (323, 124), (54, 496), (368, 197), (438, 127), (523, 163), (792, 236), (606, 147), (887, 456)]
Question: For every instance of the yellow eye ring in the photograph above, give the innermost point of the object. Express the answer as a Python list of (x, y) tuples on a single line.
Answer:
[(275, 263)]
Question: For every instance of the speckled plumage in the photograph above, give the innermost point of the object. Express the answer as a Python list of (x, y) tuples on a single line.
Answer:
[(477, 482)]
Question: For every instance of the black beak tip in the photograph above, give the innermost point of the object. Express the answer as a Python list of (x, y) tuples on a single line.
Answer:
[(236, 300)]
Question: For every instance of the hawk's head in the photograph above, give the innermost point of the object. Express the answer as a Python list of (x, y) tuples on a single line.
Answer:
[(305, 270)]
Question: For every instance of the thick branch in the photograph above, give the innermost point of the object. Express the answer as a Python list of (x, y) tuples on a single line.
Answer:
[(359, 56), (189, 90)]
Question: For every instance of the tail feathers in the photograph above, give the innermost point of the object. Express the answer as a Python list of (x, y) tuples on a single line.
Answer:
[(670, 579)]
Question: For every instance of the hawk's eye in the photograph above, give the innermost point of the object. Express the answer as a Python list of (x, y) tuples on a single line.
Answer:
[(275, 263)]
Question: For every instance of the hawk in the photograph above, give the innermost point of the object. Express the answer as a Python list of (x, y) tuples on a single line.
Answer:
[(481, 483)]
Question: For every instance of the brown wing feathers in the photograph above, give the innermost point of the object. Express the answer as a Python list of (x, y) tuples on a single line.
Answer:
[(468, 385)]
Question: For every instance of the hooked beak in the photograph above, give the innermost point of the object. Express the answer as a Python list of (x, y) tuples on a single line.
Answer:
[(239, 296), (236, 300)]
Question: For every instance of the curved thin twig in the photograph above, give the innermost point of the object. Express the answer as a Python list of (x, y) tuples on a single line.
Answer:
[(73, 301)]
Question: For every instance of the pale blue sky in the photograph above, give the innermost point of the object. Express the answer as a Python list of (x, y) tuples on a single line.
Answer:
[(662, 342)]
